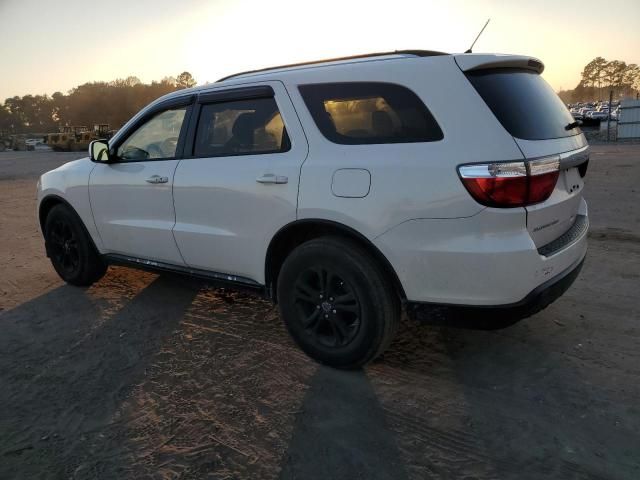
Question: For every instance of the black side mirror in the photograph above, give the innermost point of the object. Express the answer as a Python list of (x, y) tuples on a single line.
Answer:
[(99, 151)]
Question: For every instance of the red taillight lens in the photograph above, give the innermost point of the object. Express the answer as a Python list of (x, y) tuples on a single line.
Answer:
[(497, 192), (541, 187), (511, 184)]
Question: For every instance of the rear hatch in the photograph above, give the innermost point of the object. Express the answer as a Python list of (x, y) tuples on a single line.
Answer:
[(541, 126)]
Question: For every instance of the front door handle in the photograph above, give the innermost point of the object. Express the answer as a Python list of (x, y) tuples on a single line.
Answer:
[(271, 178), (157, 179)]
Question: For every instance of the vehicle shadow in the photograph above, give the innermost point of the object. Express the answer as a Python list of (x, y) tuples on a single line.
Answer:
[(143, 376), (341, 432), (524, 402), (68, 360)]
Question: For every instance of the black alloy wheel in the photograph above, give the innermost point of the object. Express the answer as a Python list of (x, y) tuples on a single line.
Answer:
[(337, 302), (63, 247), (71, 251), (328, 307)]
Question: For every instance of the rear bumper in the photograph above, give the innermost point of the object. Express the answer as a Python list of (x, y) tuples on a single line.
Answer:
[(486, 260), (490, 317)]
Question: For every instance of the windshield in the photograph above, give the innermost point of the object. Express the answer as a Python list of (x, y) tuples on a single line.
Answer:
[(523, 102)]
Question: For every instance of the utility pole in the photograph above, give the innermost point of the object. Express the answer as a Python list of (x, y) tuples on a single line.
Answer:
[(609, 114)]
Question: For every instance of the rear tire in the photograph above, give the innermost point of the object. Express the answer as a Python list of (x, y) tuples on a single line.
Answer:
[(337, 303), (70, 249)]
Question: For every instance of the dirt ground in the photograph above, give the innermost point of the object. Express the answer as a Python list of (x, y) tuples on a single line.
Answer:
[(147, 376)]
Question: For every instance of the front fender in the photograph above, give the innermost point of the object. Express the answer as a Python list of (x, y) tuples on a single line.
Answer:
[(69, 184)]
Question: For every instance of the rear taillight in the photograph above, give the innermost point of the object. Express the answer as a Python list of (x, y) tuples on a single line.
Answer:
[(511, 184)]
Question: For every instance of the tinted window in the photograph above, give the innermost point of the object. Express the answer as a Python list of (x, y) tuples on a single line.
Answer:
[(367, 112), (156, 139), (240, 127), (524, 103)]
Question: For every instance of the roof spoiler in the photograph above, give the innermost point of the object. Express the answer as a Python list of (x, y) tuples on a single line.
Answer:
[(479, 61)]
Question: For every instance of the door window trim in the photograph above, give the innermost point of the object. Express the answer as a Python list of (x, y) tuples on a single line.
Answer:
[(166, 105), (225, 96)]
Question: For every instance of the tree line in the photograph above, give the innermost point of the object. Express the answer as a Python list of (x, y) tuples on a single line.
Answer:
[(601, 76), (92, 103), (117, 101)]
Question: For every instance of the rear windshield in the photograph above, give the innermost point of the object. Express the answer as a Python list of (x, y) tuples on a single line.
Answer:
[(523, 102)]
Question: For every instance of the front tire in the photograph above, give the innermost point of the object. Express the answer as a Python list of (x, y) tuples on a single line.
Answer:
[(70, 249), (337, 303)]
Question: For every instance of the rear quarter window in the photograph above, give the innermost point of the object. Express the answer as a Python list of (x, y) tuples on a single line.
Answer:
[(357, 113), (524, 103)]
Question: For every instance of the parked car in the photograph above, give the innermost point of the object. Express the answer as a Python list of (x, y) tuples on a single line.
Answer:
[(36, 144), (343, 190), (595, 115), (585, 111)]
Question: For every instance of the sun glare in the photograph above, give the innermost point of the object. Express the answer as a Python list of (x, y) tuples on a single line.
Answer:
[(250, 35), (212, 39)]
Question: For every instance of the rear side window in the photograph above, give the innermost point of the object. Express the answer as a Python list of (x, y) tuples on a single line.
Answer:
[(523, 102), (357, 113), (242, 127)]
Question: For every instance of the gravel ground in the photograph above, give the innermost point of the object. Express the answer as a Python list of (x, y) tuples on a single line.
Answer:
[(147, 376)]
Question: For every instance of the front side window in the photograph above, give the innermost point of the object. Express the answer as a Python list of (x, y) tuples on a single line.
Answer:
[(156, 139), (358, 113), (241, 127)]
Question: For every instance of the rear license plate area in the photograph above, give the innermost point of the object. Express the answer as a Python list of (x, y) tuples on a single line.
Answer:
[(572, 180)]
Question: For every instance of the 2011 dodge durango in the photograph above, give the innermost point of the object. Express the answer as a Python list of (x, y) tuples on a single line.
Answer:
[(344, 190)]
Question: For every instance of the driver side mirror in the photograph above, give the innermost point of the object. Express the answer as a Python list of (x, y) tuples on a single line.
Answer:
[(99, 151)]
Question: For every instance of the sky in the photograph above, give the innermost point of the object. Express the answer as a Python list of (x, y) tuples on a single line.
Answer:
[(54, 46)]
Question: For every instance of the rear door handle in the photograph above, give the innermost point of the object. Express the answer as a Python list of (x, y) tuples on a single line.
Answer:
[(157, 179), (271, 178)]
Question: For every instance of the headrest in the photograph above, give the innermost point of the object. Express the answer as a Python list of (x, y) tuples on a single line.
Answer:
[(381, 123), (244, 127)]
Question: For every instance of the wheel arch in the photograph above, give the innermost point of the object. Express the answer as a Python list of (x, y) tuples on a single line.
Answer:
[(47, 204), (297, 232)]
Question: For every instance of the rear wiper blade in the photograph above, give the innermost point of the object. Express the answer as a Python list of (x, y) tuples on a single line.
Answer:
[(573, 125)]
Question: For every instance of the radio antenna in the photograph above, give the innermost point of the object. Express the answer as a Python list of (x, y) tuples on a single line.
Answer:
[(474, 42)]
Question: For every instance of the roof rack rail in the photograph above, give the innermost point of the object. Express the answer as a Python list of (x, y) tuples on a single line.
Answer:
[(417, 53)]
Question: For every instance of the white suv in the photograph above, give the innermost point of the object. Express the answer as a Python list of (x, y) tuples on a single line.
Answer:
[(343, 190)]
